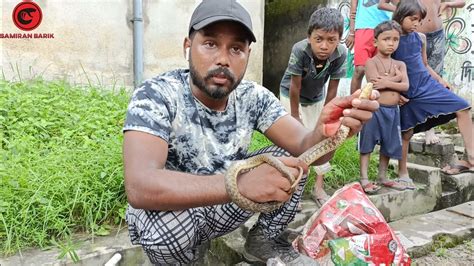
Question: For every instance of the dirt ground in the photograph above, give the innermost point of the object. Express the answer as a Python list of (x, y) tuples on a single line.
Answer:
[(460, 255)]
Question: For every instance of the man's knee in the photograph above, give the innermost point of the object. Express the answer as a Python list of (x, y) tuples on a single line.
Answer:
[(166, 237), (170, 252)]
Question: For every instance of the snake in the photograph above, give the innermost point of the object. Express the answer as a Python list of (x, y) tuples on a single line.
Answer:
[(309, 156)]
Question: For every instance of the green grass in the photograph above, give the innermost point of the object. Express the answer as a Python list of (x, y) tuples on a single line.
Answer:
[(60, 162)]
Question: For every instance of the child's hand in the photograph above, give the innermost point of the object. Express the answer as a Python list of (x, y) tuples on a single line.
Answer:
[(398, 74), (445, 84), (350, 42), (403, 100), (442, 7), (380, 83)]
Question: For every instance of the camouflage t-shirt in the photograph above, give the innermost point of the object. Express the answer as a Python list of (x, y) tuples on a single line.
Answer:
[(200, 140)]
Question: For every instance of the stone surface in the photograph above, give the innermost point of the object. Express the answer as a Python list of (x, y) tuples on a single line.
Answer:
[(436, 155), (417, 233), (95, 251), (393, 204)]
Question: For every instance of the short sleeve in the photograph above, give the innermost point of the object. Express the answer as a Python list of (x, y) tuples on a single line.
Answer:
[(149, 111), (269, 109), (295, 63), (340, 66)]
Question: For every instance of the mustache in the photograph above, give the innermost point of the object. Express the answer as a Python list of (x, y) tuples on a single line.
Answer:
[(220, 71)]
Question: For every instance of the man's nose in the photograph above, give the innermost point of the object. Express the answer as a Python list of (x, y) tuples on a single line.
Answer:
[(222, 57)]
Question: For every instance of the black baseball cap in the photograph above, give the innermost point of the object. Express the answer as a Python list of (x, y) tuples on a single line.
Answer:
[(210, 11)]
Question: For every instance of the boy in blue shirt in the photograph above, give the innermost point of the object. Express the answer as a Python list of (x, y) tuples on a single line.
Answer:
[(313, 61)]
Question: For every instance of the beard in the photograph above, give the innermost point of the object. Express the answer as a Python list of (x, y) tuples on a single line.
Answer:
[(214, 92)]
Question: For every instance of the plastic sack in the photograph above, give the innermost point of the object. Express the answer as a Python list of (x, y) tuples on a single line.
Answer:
[(349, 230)]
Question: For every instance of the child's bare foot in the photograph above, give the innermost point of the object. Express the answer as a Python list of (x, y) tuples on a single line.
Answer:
[(431, 138), (320, 197), (458, 168)]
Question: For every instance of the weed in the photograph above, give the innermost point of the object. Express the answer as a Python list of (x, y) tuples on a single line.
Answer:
[(60, 162)]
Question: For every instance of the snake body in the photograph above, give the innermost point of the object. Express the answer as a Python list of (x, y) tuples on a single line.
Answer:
[(309, 156)]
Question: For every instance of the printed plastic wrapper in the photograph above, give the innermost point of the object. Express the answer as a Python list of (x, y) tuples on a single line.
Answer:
[(349, 230)]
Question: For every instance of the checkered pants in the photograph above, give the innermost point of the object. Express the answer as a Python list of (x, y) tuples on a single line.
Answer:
[(172, 237)]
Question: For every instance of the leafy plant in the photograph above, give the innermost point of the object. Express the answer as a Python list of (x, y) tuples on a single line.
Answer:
[(60, 162)]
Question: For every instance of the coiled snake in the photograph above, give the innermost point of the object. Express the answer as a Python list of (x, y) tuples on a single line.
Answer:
[(309, 156)]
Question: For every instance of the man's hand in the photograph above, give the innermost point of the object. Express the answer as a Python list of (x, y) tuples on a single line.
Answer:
[(350, 111), (265, 183)]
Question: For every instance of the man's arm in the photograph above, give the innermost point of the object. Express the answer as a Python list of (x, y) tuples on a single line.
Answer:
[(150, 186), (332, 90), (292, 136), (295, 90)]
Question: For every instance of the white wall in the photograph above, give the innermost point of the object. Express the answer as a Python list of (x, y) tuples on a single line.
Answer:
[(93, 40)]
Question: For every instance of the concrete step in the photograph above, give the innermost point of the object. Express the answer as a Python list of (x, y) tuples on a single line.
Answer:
[(435, 155), (420, 234), (227, 250)]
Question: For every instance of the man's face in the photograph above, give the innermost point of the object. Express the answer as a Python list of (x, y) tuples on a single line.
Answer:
[(323, 43), (218, 58)]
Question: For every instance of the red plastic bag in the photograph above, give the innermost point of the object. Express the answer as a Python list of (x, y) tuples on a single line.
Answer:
[(349, 230)]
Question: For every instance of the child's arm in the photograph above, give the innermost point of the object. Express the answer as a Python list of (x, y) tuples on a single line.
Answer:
[(425, 62), (350, 37), (338, 72), (332, 90), (384, 82), (453, 4), (388, 5), (295, 89)]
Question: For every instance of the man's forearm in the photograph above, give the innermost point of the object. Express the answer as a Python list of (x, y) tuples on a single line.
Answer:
[(160, 189)]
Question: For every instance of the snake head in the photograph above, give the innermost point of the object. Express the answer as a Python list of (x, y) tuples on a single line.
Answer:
[(366, 91)]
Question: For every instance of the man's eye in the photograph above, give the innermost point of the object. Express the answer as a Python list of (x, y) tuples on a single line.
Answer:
[(236, 50), (210, 44)]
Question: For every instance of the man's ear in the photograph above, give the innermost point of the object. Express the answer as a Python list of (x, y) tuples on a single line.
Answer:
[(186, 47)]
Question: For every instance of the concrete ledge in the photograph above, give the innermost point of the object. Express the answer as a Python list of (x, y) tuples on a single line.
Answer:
[(418, 233), (393, 204), (95, 251)]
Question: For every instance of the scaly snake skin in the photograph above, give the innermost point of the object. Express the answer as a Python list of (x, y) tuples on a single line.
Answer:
[(309, 156)]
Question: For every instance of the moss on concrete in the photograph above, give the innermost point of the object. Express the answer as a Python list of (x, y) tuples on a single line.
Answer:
[(276, 8)]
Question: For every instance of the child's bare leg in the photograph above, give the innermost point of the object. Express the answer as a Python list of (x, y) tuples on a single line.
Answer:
[(369, 187), (383, 165), (364, 166), (356, 81), (318, 192), (430, 137), (402, 164), (465, 127)]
